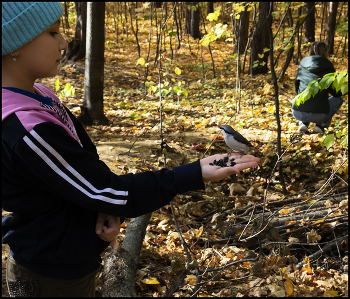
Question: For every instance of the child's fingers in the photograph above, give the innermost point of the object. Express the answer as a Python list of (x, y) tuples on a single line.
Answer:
[(245, 164), (101, 218)]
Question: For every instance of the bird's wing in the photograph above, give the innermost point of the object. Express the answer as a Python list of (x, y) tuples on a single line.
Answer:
[(241, 139)]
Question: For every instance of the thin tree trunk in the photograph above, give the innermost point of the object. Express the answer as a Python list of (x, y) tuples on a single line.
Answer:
[(135, 31), (331, 26), (115, 23), (291, 50), (261, 40), (149, 46), (92, 109), (126, 20), (177, 29), (298, 39), (243, 29), (323, 10), (281, 176), (211, 55), (238, 69), (188, 18), (66, 14), (158, 37), (179, 14), (310, 23), (249, 39), (233, 27), (76, 48), (195, 21), (210, 7)]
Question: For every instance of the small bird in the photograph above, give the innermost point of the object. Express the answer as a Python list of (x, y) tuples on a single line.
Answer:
[(235, 141), (166, 149)]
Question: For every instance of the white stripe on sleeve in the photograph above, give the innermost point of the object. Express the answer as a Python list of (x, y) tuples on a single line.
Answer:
[(72, 170), (56, 169)]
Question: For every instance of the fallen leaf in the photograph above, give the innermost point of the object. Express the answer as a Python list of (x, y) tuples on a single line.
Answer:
[(151, 280), (312, 236), (236, 188)]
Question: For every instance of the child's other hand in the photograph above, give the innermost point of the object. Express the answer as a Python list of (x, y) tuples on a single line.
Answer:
[(109, 232), (216, 173)]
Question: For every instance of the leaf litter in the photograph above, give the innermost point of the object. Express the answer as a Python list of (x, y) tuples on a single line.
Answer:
[(219, 224)]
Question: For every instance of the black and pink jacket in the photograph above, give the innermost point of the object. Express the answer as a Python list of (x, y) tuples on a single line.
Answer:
[(54, 184)]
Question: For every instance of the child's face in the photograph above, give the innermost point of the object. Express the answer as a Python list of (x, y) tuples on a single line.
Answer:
[(40, 57)]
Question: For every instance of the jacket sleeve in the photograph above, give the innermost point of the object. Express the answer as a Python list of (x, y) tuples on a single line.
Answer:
[(297, 82), (52, 160)]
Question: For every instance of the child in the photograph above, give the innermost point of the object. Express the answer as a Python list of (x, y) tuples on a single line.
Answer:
[(318, 109), (59, 192)]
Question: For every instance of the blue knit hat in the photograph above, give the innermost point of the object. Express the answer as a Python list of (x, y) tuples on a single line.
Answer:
[(23, 21)]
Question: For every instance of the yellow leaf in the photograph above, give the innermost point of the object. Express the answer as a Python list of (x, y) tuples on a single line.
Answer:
[(190, 279), (285, 211), (199, 232), (204, 295), (136, 159), (307, 268), (265, 50), (177, 71), (149, 78), (288, 286), (261, 55), (333, 293), (199, 125), (267, 88), (141, 61), (270, 109), (151, 280), (183, 82)]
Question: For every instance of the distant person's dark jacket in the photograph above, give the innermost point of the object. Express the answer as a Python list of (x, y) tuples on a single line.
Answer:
[(311, 68)]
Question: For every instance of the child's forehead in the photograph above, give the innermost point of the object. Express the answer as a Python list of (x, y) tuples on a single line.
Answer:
[(58, 22)]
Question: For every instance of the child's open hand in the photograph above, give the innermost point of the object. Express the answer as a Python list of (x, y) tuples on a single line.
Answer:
[(109, 232), (216, 173)]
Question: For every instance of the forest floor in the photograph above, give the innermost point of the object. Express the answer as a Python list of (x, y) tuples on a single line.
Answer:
[(131, 143)]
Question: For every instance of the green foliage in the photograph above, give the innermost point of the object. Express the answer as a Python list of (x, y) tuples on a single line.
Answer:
[(214, 35), (342, 135), (328, 141), (338, 80), (66, 92), (342, 28), (166, 89)]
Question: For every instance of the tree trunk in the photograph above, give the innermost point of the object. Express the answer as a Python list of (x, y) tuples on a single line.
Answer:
[(310, 23), (66, 14), (210, 7), (261, 40), (323, 10), (188, 18), (121, 264), (331, 26), (195, 21), (243, 30), (157, 4), (76, 48), (92, 109)]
